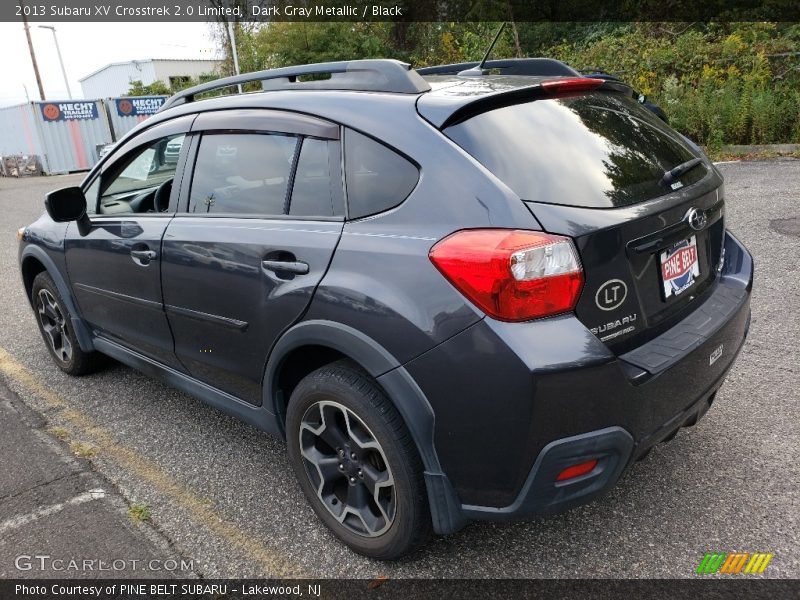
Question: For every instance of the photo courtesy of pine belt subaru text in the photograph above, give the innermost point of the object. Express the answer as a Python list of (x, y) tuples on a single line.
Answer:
[(457, 293)]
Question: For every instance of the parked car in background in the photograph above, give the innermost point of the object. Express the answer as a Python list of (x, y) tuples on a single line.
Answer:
[(456, 297), (173, 150)]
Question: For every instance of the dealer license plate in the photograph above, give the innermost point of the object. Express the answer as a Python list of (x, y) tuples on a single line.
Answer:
[(679, 267)]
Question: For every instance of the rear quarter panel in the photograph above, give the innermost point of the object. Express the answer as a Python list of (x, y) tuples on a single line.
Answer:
[(381, 280)]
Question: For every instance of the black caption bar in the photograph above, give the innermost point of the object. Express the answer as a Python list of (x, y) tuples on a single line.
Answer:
[(238, 589), (399, 10)]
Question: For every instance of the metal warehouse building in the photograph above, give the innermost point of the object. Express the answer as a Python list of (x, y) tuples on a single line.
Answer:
[(115, 79)]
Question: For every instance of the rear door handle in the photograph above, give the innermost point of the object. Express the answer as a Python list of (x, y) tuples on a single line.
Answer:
[(285, 266)]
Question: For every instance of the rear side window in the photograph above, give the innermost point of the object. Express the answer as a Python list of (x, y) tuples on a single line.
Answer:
[(377, 178), (599, 150), (317, 190), (245, 173)]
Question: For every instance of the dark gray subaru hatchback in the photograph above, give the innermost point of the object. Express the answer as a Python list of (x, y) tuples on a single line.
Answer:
[(471, 296)]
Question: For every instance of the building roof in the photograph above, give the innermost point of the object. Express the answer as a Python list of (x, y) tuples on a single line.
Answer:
[(147, 60)]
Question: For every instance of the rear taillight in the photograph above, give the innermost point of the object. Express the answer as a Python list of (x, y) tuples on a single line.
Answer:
[(512, 275)]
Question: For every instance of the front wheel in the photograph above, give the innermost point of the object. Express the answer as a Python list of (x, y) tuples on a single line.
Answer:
[(356, 462), (55, 325)]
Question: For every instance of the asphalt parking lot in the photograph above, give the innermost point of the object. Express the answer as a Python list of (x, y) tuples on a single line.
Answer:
[(222, 494)]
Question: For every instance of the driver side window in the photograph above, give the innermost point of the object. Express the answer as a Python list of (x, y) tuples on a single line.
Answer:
[(144, 182)]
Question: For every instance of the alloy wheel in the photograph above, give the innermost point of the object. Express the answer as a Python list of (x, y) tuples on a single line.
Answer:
[(54, 325), (348, 468)]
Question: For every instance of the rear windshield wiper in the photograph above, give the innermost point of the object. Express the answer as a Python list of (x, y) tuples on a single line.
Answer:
[(674, 174)]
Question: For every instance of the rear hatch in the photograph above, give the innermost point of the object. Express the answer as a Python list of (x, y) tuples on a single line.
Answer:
[(591, 165)]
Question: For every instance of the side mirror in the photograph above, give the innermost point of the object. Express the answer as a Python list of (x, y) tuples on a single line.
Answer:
[(68, 204)]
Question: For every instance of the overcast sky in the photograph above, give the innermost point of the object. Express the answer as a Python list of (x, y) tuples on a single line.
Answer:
[(87, 47)]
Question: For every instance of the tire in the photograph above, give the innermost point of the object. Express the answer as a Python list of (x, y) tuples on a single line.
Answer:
[(55, 325), (339, 422)]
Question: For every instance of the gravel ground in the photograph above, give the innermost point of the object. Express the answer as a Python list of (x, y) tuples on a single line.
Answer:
[(222, 493)]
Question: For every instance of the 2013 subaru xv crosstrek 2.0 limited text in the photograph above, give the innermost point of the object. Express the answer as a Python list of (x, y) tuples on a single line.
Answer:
[(457, 297)]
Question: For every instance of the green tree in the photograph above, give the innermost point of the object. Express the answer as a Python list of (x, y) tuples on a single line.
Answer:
[(718, 82), (157, 88)]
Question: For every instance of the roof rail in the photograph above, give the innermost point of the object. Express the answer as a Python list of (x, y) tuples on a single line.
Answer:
[(378, 75), (510, 66)]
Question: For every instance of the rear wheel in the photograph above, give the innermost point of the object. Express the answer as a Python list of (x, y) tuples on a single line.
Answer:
[(357, 463), (55, 325)]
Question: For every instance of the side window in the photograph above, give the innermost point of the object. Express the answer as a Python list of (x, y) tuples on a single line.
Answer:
[(242, 173), (144, 170), (377, 178), (314, 193)]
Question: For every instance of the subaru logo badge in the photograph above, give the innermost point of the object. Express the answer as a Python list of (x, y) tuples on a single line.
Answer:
[(697, 219)]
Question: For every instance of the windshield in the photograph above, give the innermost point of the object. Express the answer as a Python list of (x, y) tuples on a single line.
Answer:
[(599, 150)]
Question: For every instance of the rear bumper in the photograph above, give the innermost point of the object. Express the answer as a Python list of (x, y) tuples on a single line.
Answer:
[(527, 400), (614, 449)]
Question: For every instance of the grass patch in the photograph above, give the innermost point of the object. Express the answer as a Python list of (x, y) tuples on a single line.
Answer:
[(139, 512), (59, 432), (82, 449)]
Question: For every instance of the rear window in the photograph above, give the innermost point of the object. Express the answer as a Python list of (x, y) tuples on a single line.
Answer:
[(599, 150)]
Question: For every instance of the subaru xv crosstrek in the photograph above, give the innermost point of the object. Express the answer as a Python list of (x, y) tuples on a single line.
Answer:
[(456, 297)]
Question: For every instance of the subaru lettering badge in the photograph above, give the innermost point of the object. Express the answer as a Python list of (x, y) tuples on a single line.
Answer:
[(697, 219)]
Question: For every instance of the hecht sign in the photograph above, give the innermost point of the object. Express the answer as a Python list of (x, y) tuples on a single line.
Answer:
[(142, 105), (68, 111)]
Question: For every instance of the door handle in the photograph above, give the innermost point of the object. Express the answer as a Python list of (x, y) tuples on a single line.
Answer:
[(285, 266), (145, 256)]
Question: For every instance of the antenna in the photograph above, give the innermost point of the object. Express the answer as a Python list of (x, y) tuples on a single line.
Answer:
[(491, 47), (477, 71)]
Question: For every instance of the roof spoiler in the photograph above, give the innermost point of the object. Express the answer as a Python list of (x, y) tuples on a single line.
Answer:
[(379, 75), (540, 67), (548, 88)]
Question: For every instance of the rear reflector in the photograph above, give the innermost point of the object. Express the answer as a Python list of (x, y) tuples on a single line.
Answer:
[(569, 85), (577, 470), (512, 275)]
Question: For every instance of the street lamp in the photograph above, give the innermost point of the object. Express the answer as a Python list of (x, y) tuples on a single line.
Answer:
[(60, 60)]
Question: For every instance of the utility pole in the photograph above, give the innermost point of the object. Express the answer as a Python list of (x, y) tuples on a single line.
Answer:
[(33, 54), (60, 60), (233, 51)]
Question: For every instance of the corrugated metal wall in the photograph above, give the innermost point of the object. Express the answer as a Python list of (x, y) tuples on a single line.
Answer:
[(71, 131), (19, 133), (66, 134), (126, 113)]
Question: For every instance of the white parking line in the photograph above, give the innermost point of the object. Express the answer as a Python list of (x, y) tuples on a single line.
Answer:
[(46, 511), (726, 162)]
